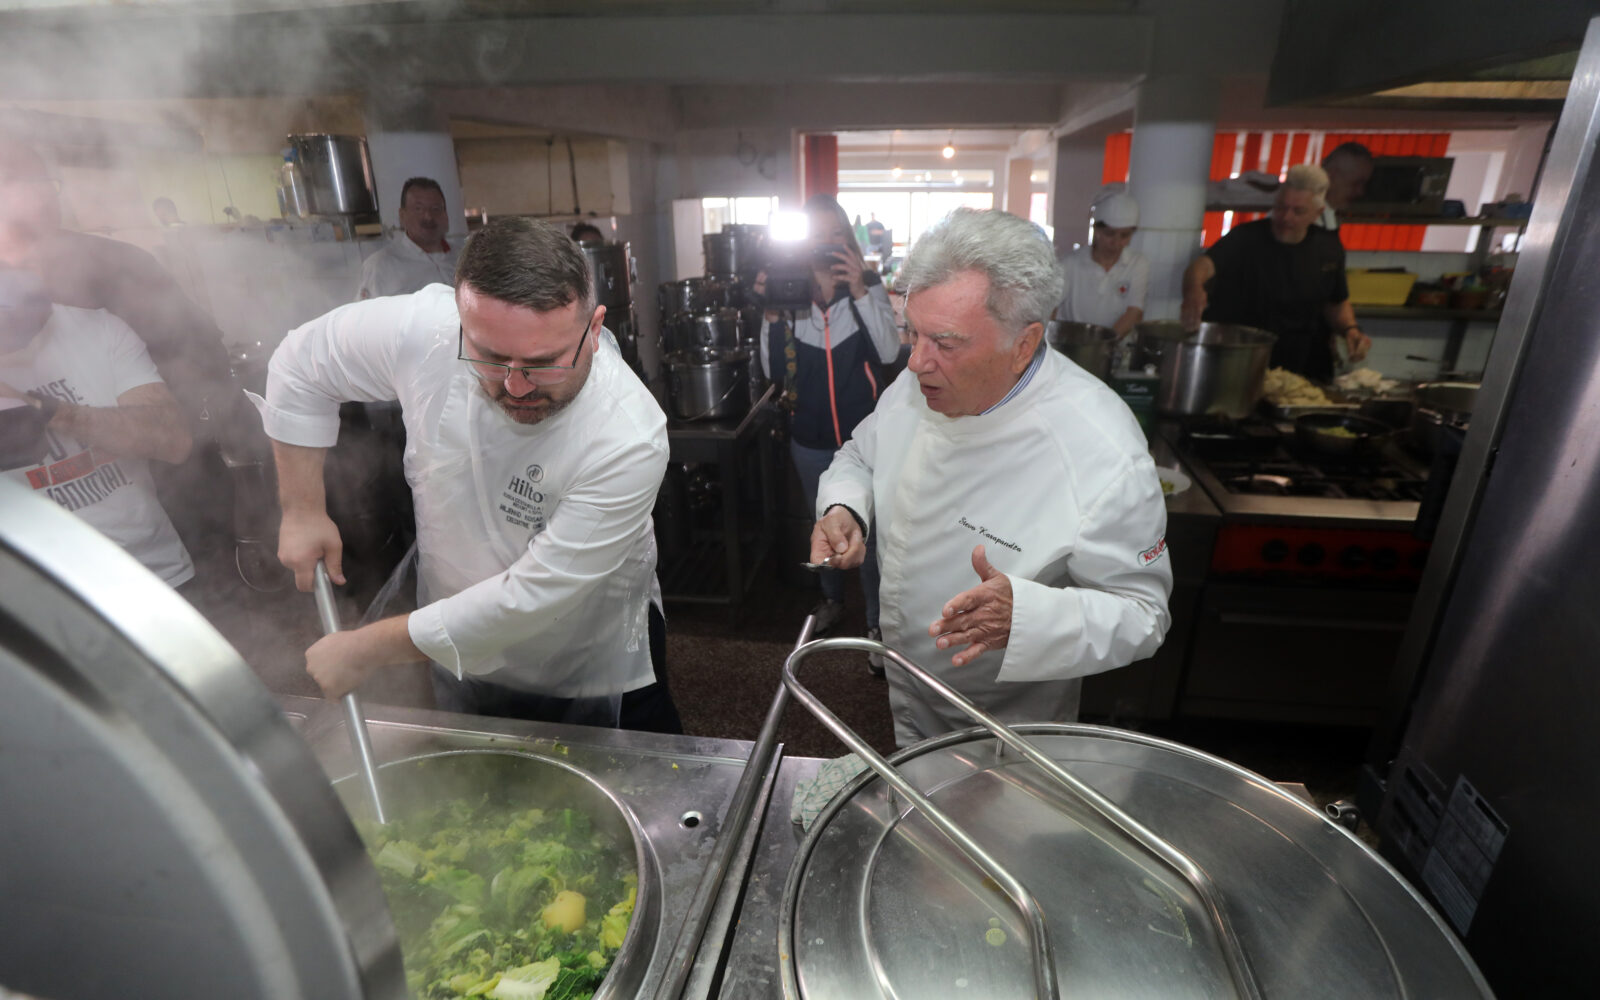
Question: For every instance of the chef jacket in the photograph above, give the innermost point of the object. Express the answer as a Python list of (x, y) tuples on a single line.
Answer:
[(1058, 486), (402, 267), (536, 554), (1096, 295)]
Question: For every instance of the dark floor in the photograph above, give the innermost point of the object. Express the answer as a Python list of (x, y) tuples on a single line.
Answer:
[(723, 677)]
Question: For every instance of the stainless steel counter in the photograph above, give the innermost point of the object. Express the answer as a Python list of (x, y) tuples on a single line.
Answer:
[(678, 787), (752, 965)]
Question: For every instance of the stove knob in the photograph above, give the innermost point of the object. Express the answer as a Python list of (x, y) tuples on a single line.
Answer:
[(1355, 557), (1311, 554), (1385, 559), (1275, 551)]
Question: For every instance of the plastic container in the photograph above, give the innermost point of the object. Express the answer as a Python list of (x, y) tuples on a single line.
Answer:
[(1379, 288), (293, 198)]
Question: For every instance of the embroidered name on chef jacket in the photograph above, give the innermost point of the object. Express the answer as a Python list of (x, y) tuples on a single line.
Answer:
[(522, 502), (1154, 552), (986, 533)]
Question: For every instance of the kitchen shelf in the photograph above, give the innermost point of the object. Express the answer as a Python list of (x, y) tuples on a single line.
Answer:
[(1427, 312)]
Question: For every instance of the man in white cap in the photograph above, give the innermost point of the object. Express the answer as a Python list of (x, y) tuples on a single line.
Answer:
[(1106, 281)]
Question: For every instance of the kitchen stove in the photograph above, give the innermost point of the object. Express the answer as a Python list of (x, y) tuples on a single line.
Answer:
[(1309, 579), (1257, 470)]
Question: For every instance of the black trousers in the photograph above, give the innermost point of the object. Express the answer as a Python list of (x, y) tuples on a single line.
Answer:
[(648, 709)]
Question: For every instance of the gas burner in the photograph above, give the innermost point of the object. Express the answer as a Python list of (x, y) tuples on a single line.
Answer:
[(1221, 437)]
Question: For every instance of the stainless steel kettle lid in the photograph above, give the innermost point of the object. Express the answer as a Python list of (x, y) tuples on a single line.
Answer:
[(879, 903), (161, 821)]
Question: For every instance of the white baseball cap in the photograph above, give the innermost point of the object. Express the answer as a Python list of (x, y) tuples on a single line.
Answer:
[(1118, 210)]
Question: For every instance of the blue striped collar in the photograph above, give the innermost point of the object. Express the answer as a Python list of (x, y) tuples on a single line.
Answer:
[(1022, 383)]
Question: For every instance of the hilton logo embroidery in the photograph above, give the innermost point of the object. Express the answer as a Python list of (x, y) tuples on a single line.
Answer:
[(521, 504), (1153, 553)]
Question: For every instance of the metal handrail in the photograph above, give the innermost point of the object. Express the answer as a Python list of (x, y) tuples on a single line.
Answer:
[(1044, 964), (355, 719)]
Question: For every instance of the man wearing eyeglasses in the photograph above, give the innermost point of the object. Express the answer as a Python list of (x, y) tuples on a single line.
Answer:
[(534, 456)]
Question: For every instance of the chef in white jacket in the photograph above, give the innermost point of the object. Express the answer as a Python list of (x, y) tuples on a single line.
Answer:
[(1021, 523), (534, 456), (421, 254)]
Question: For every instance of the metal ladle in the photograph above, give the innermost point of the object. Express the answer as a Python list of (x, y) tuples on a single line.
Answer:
[(354, 719)]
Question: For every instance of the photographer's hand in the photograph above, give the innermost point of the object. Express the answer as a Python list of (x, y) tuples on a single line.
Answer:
[(851, 269)]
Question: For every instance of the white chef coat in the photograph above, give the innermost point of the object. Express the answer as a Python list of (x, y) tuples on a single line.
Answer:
[(536, 554), (402, 267), (1095, 295), (90, 357), (1058, 486)]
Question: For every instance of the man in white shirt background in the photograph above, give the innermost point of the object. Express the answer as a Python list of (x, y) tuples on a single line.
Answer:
[(534, 456), (105, 413), (1106, 281), (1021, 525), (420, 255)]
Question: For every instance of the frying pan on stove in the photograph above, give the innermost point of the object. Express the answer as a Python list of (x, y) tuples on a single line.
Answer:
[(1340, 435)]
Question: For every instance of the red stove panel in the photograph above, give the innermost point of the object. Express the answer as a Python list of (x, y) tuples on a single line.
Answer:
[(1280, 551)]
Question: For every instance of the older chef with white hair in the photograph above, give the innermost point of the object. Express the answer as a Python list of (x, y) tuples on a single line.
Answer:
[(1106, 281), (1021, 526)]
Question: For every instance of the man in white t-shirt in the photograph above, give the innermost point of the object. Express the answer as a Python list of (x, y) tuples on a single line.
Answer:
[(1106, 281), (420, 256), (108, 413)]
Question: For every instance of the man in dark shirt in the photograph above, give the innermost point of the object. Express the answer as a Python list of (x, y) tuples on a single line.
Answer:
[(1283, 275)]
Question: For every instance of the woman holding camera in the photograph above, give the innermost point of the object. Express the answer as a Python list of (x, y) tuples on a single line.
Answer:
[(826, 361)]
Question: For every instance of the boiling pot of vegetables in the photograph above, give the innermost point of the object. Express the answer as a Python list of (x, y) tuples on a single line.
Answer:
[(509, 876)]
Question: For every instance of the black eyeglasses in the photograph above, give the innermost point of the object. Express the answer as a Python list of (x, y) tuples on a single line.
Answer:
[(536, 374)]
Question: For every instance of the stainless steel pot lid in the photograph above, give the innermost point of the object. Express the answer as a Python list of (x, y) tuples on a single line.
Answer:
[(163, 831), (879, 904)]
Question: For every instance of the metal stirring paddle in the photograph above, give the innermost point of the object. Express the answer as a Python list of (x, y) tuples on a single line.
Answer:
[(354, 719)]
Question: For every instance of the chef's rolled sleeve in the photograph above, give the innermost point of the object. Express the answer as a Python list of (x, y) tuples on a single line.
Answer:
[(1116, 613)]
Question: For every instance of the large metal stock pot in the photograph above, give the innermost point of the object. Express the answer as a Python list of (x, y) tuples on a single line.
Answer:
[(879, 903), (338, 173), (1089, 345), (161, 820), (1216, 370)]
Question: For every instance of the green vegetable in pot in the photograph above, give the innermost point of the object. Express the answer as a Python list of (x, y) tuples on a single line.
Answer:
[(500, 902)]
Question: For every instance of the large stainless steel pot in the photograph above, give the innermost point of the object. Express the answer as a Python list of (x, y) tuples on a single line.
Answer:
[(159, 818), (1089, 345), (879, 903), (612, 265), (525, 780), (1441, 408), (338, 173), (678, 297), (748, 246), (713, 388), (708, 332), (1215, 370)]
